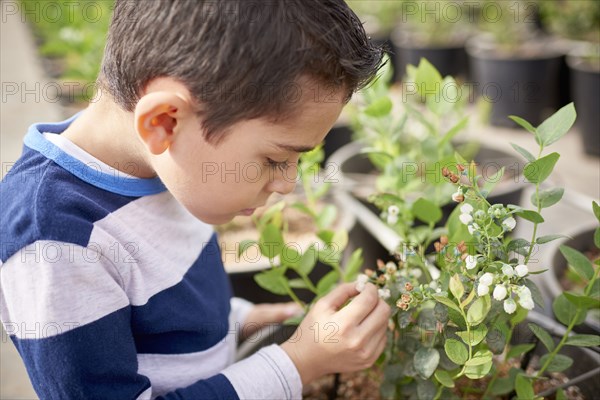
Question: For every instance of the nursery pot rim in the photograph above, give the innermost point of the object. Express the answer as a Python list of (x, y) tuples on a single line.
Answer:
[(482, 48), (346, 152)]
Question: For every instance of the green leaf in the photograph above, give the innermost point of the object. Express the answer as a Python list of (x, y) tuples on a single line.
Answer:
[(583, 340), (547, 198), (559, 362), (523, 123), (427, 78), (327, 282), (353, 265), (273, 281), (560, 395), (326, 216), (539, 170), (271, 241), (379, 108), (453, 131), (475, 336), (597, 237), (444, 378), (308, 261), (528, 156), (297, 284), (426, 211), (446, 301), (340, 239), (479, 358), (582, 301), (548, 238), (478, 310), (326, 235), (565, 311), (290, 257), (426, 389), (456, 351), (456, 287), (557, 125), (580, 263), (531, 215), (517, 350), (544, 336), (524, 387), (596, 209), (478, 371), (245, 245), (426, 361)]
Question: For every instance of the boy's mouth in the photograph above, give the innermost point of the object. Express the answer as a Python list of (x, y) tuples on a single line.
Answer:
[(247, 211)]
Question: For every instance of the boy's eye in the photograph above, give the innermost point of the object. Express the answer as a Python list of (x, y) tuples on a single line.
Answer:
[(282, 165)]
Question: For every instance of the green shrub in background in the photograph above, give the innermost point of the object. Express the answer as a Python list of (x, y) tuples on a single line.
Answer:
[(73, 32)]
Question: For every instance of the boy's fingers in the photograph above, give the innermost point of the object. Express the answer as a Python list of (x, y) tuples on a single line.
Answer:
[(362, 305), (377, 320), (335, 299)]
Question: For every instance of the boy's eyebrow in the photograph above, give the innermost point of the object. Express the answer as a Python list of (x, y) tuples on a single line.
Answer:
[(297, 149)]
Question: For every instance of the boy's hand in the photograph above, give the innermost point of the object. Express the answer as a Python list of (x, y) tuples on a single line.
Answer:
[(334, 339), (264, 314)]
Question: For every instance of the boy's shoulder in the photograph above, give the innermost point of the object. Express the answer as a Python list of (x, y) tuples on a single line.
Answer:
[(43, 201)]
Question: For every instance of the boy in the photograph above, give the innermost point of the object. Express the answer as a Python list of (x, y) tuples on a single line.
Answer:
[(112, 284)]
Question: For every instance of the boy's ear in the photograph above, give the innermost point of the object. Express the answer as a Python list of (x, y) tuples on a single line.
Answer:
[(157, 116)]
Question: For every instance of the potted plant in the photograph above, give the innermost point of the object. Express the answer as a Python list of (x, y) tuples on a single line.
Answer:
[(294, 247), (461, 325), (565, 258), (513, 65), (436, 31), (400, 145), (579, 23)]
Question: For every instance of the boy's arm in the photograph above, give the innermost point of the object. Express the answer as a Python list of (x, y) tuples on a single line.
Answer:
[(70, 320)]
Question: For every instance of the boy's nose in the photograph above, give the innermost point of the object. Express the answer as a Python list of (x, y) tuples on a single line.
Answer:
[(283, 185)]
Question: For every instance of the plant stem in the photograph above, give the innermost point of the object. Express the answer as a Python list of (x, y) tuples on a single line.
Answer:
[(539, 210), (439, 392)]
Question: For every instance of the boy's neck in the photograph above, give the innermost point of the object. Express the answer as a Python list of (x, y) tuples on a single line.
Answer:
[(107, 132)]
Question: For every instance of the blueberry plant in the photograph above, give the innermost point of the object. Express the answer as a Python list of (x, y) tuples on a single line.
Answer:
[(457, 304)]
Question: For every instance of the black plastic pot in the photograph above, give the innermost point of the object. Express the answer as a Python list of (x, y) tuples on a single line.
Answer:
[(582, 240), (522, 86), (585, 91), (448, 60), (340, 135)]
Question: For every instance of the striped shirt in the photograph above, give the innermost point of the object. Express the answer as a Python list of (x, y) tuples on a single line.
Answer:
[(110, 289)]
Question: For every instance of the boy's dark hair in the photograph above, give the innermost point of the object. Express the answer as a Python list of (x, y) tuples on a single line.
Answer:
[(239, 59)]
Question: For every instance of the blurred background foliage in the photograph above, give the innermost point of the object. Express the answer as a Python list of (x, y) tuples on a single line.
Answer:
[(72, 34)]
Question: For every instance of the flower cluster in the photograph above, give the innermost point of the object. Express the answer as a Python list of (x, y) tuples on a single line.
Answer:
[(478, 220), (400, 285), (505, 285)]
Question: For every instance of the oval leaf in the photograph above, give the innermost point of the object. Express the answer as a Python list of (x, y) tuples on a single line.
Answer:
[(565, 311), (544, 336), (540, 169), (426, 211), (583, 340), (456, 351), (426, 361), (580, 263), (478, 310)]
